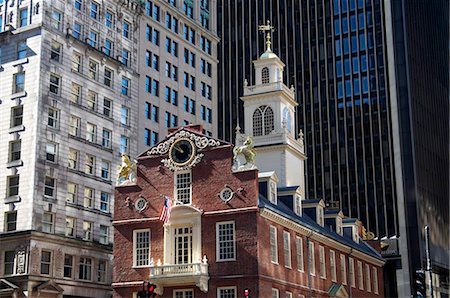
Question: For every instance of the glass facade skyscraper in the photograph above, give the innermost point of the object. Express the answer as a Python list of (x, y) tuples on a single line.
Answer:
[(337, 58)]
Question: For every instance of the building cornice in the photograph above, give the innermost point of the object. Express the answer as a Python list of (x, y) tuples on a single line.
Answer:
[(302, 230)]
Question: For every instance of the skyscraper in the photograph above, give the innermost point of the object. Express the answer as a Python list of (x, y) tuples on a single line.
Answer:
[(178, 68), (68, 88), (343, 58)]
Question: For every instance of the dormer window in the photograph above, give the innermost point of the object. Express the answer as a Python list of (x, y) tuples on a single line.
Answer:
[(265, 75), (339, 225), (273, 192), (263, 121), (320, 219), (183, 187), (298, 205)]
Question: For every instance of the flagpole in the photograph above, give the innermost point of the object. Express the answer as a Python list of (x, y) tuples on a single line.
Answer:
[(173, 200)]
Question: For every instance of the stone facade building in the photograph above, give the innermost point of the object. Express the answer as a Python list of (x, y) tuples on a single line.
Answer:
[(234, 227), (68, 106)]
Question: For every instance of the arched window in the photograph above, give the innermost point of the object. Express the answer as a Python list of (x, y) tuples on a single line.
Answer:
[(287, 119), (265, 75), (263, 121)]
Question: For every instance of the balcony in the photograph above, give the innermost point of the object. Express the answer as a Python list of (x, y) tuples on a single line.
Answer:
[(181, 275)]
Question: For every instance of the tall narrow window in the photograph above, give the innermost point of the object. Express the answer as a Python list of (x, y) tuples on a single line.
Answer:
[(85, 269), (375, 280), (299, 251), (46, 261), (225, 241), (183, 245), (87, 230), (141, 248), (265, 75), (68, 266), (287, 249), (323, 271), (10, 221), (351, 272), (13, 186), (343, 270), (88, 197), (333, 265), (368, 279), (101, 271), (312, 258), (360, 276), (15, 150), (273, 245), (183, 187), (103, 234), (71, 192), (70, 226), (50, 187)]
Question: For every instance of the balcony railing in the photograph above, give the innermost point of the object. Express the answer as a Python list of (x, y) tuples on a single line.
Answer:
[(181, 274)]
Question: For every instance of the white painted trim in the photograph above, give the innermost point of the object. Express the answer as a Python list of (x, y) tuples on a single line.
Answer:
[(217, 241), (237, 210), (134, 220), (273, 228)]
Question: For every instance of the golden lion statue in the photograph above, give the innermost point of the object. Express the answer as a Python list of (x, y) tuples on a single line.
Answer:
[(127, 171)]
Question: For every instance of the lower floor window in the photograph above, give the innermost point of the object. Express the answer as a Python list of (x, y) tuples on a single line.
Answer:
[(184, 293), (85, 269), (226, 292)]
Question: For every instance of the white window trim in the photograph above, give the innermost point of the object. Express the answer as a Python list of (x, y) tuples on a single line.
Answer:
[(343, 267), (351, 270), (375, 280), (276, 292), (311, 258), (273, 228), (134, 248), (175, 188), (226, 288), (323, 273), (333, 268), (217, 241), (360, 275), (288, 250), (299, 247), (368, 279)]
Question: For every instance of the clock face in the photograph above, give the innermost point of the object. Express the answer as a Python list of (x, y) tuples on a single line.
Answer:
[(182, 152)]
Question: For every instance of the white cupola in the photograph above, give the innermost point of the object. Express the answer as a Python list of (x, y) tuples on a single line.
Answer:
[(269, 115)]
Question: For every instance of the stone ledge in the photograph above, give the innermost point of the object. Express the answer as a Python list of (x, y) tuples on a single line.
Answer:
[(15, 163), (17, 128), (12, 199)]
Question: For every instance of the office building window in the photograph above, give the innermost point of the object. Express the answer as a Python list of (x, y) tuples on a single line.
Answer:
[(154, 138), (46, 261), (93, 69), (56, 51), (141, 248), (91, 132), (126, 29), (106, 168), (87, 230), (188, 8), (50, 187), (106, 138), (74, 126), (76, 62), (125, 86), (90, 165), (13, 186), (104, 201), (85, 268), (73, 159), (51, 150), (107, 107), (16, 116), (48, 222), (76, 30), (78, 4), (125, 57), (125, 116), (88, 200), (109, 19), (55, 82), (68, 266), (103, 234), (101, 271), (57, 20), (225, 241), (10, 221), (76, 93), (108, 49), (124, 144), (70, 226), (287, 249), (94, 10), (14, 150), (93, 39), (23, 17), (72, 190), (19, 82), (22, 49)]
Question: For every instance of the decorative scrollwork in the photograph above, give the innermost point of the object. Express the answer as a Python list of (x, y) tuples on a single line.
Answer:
[(200, 141)]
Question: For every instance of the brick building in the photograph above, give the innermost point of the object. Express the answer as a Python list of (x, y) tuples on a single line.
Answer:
[(238, 222)]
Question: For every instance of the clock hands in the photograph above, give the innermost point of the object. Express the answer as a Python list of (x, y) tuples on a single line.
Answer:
[(178, 149)]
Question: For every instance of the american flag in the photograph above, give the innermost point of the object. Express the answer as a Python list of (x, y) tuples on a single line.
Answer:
[(165, 211)]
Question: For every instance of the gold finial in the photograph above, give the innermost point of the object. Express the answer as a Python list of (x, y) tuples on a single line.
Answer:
[(269, 29)]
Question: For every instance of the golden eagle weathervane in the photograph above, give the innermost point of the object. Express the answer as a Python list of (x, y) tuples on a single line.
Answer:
[(269, 29)]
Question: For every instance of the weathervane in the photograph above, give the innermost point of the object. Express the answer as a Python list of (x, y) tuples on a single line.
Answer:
[(269, 29)]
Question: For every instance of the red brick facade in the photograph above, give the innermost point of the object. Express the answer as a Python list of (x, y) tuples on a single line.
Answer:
[(252, 267)]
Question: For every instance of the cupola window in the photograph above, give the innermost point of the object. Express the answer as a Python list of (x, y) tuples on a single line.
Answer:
[(287, 119), (263, 121), (265, 75)]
